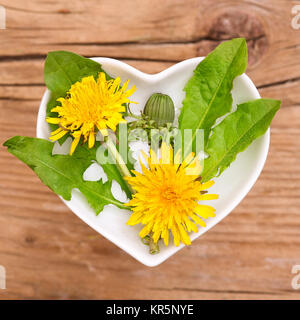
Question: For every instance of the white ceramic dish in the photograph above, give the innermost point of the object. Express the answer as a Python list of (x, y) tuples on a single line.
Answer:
[(232, 186)]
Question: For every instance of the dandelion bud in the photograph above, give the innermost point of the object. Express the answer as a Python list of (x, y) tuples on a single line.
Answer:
[(160, 108)]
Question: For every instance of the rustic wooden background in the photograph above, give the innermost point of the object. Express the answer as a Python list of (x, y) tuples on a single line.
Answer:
[(49, 253)]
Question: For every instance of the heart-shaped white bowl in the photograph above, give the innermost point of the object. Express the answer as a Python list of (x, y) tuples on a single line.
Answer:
[(232, 186)]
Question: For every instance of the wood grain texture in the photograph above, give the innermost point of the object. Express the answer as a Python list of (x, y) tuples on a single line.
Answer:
[(49, 253)]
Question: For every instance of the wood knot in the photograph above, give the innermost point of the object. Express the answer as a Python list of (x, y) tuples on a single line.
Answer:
[(236, 24), (30, 239), (64, 11)]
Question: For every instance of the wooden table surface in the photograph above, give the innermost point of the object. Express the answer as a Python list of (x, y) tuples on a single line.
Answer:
[(49, 253)]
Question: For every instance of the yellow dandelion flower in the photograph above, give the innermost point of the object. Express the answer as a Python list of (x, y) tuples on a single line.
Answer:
[(167, 196), (90, 105)]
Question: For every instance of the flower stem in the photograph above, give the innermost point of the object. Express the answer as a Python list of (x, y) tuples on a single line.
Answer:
[(119, 161), (153, 247)]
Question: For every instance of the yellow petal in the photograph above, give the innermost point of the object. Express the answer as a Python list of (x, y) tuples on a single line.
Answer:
[(177, 159), (204, 211), (55, 132), (206, 185), (194, 168), (165, 236), (130, 92), (187, 160), (176, 235), (124, 87), (58, 135), (74, 145), (144, 232), (166, 154), (208, 197), (53, 120), (153, 157), (91, 139), (184, 236), (198, 220)]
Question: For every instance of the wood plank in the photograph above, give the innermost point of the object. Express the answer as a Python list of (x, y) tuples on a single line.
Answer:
[(39, 224), (189, 30)]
